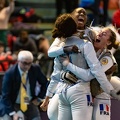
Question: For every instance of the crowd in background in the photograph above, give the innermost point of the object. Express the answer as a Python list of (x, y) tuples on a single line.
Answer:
[(38, 44)]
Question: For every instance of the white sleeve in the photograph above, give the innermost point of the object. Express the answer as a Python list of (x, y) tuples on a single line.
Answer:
[(85, 74), (51, 88), (55, 78), (96, 68), (56, 48)]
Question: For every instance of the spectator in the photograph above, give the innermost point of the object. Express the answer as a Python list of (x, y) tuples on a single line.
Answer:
[(97, 13), (6, 59), (24, 43), (70, 5), (13, 83), (116, 23), (5, 12), (43, 46), (11, 38)]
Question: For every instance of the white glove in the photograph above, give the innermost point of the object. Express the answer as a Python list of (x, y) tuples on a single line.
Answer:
[(69, 77), (114, 94)]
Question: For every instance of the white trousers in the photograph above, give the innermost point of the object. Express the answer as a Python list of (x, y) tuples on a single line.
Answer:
[(75, 103), (102, 108), (52, 110)]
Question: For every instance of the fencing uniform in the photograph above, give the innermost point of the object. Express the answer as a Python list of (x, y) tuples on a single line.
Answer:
[(70, 93), (101, 102), (89, 54), (86, 100)]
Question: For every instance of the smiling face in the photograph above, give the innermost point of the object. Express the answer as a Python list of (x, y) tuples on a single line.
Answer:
[(103, 39), (81, 17)]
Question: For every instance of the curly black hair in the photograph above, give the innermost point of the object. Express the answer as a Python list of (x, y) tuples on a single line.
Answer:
[(65, 26)]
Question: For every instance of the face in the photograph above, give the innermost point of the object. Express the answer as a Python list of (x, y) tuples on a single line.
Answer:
[(81, 17), (24, 35), (25, 64), (102, 40), (44, 45)]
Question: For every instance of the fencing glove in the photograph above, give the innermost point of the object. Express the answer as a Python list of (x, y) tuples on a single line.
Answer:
[(70, 49)]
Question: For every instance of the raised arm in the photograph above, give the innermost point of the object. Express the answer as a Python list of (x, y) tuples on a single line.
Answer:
[(11, 7)]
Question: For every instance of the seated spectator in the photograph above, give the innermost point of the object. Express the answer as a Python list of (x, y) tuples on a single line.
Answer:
[(68, 5), (11, 39), (116, 23), (6, 59), (19, 87), (43, 46), (23, 42)]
